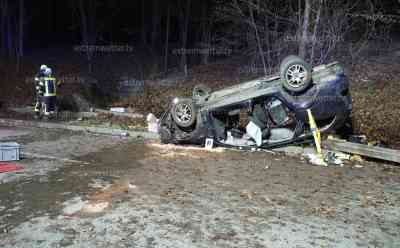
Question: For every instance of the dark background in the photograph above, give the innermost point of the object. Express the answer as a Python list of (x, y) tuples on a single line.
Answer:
[(50, 21), (142, 24)]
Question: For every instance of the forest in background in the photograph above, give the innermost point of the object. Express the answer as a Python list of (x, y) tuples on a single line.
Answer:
[(183, 33)]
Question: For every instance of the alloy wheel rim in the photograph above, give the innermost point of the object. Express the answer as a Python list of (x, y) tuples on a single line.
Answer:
[(184, 113), (296, 75)]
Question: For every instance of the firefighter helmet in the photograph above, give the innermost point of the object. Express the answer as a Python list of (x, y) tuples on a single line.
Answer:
[(48, 71), (43, 67)]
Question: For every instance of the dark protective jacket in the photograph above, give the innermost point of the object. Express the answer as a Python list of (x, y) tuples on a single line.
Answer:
[(46, 86)]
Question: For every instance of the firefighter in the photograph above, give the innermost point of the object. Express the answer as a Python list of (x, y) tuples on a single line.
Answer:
[(39, 88), (48, 93)]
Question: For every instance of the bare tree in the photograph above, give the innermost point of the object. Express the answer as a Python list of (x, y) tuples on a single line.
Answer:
[(255, 28), (6, 38), (304, 30), (316, 26), (155, 22), (87, 13), (258, 40), (20, 49), (167, 39), (206, 24), (315, 29), (3, 12), (144, 33), (184, 35)]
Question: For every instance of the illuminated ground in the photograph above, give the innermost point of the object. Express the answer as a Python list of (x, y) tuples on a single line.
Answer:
[(141, 194)]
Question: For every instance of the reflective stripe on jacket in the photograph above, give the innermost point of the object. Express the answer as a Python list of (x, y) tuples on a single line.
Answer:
[(50, 86)]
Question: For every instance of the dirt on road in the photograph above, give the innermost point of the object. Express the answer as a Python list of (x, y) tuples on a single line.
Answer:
[(135, 193)]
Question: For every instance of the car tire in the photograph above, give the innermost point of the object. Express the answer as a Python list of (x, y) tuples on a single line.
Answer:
[(200, 92), (295, 73), (184, 113)]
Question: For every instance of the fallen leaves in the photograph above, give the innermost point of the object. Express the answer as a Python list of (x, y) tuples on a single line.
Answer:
[(376, 108)]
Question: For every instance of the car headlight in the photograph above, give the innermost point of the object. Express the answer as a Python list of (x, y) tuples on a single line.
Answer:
[(175, 101)]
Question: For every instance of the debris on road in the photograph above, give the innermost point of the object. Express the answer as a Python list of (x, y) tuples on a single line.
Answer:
[(315, 159), (332, 158), (336, 158), (327, 158), (343, 156)]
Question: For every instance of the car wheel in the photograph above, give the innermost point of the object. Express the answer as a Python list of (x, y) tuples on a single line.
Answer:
[(295, 74), (200, 92), (184, 113)]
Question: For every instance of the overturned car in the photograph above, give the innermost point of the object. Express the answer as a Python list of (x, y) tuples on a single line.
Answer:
[(267, 112)]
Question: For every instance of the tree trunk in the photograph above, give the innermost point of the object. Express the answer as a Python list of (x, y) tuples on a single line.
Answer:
[(3, 27), (144, 38), (304, 35), (258, 40), (206, 34), (6, 37), (9, 33), (267, 44), (155, 23), (20, 50), (276, 37), (167, 40), (88, 29), (183, 63), (314, 36), (299, 12)]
